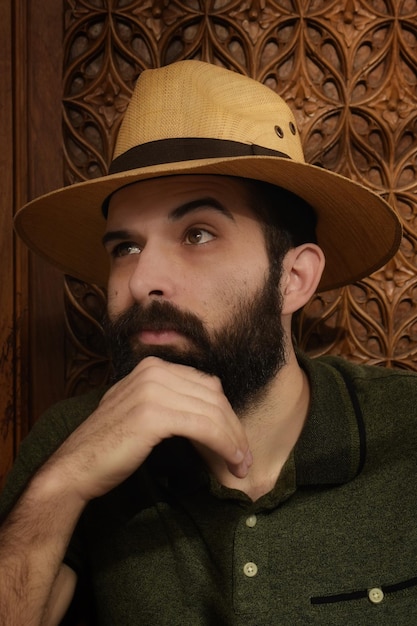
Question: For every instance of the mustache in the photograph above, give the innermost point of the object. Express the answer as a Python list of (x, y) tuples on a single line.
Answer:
[(157, 316)]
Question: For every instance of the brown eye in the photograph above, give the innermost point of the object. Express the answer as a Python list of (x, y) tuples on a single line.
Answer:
[(197, 236), (125, 248)]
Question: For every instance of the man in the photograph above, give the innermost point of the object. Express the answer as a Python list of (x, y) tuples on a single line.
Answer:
[(222, 478)]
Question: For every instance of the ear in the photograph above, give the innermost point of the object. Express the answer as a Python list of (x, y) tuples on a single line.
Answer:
[(302, 270)]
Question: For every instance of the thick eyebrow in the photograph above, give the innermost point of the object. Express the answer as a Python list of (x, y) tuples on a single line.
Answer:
[(115, 235), (176, 214), (200, 203)]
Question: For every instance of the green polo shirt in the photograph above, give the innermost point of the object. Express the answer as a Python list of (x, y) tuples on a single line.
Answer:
[(335, 541)]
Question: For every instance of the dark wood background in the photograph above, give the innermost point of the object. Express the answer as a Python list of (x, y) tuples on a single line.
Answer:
[(347, 67)]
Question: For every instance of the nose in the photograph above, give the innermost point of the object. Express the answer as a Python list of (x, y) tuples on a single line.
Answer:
[(154, 274)]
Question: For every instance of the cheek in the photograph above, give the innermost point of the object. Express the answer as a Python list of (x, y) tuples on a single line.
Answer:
[(230, 292), (118, 296)]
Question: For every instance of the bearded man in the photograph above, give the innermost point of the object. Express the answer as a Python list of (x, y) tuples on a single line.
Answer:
[(222, 477)]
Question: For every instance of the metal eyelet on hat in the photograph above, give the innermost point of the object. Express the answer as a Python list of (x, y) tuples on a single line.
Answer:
[(279, 131), (293, 128)]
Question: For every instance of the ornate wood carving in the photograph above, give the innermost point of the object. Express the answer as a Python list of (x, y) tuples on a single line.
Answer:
[(87, 362), (348, 68)]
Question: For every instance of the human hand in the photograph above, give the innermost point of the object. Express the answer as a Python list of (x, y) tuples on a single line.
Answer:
[(156, 401)]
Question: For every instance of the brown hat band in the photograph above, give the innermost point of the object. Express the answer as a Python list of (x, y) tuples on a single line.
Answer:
[(185, 149)]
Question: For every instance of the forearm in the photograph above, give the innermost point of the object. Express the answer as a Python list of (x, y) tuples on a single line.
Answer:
[(33, 541), (156, 401)]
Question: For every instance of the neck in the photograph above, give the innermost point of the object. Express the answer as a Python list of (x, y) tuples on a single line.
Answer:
[(272, 428)]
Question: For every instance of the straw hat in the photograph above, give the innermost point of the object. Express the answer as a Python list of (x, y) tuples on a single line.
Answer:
[(196, 118)]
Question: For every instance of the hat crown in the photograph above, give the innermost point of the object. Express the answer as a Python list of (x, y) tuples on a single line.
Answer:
[(193, 99)]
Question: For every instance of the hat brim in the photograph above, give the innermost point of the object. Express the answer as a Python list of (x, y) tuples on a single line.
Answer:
[(357, 229)]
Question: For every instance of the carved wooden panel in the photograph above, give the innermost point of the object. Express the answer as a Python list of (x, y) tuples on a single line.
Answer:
[(348, 68)]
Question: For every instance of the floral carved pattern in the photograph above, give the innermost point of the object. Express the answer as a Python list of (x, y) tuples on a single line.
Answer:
[(348, 68)]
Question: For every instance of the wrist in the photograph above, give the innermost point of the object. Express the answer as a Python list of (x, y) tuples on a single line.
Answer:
[(54, 487)]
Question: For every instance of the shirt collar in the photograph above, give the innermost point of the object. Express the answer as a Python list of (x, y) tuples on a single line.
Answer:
[(331, 447)]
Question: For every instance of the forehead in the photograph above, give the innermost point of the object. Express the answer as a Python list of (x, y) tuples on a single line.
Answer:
[(161, 196)]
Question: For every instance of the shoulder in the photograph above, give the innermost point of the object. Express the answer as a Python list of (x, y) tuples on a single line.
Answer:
[(64, 417), (378, 403), (359, 374), (369, 378), (73, 411), (46, 435), (385, 393)]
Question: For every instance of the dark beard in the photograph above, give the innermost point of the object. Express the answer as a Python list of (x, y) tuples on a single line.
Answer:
[(245, 354)]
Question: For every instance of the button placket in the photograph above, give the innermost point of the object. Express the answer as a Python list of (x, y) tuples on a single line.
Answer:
[(251, 584), (250, 569)]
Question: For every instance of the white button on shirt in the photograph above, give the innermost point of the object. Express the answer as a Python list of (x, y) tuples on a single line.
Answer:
[(376, 595), (250, 569), (251, 521)]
